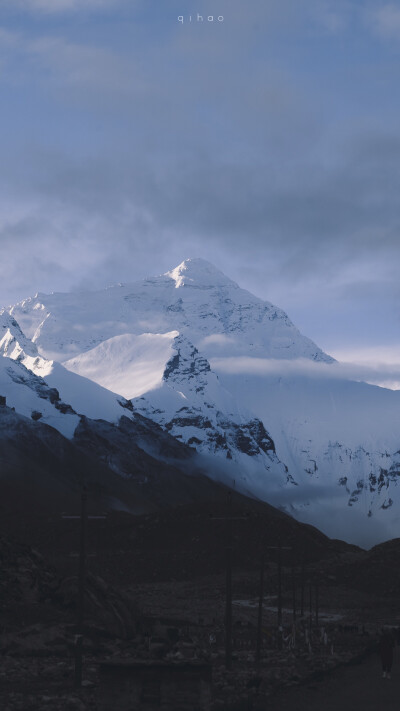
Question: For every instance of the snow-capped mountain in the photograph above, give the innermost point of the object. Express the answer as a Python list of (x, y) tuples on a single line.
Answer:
[(195, 299), (132, 466), (195, 408), (32, 397), (23, 370), (194, 353)]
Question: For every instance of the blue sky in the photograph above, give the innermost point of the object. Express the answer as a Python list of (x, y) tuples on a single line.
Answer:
[(268, 143)]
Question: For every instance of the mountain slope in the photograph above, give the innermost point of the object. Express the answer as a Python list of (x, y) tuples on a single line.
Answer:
[(128, 364), (195, 299), (340, 440), (192, 405), (24, 366), (132, 466), (32, 397), (193, 351)]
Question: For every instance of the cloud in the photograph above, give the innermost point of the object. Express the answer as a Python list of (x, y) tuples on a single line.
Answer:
[(217, 339), (60, 6), (71, 65), (368, 355), (155, 142), (385, 21), (47, 244), (332, 17), (373, 372), (79, 70)]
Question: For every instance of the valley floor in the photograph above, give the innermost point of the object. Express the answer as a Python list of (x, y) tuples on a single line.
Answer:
[(356, 686), (155, 590)]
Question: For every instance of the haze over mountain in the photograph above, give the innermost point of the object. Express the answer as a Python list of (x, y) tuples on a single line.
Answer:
[(229, 375)]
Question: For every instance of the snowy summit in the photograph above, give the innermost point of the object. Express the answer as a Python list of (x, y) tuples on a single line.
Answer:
[(212, 364)]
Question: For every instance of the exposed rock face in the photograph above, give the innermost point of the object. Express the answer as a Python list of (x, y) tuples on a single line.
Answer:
[(133, 466), (193, 406), (225, 373), (195, 299)]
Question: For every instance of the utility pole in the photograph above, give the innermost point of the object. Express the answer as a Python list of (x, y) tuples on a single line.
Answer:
[(83, 517), (228, 602), (280, 548), (310, 620), (81, 591), (279, 585), (294, 593), (303, 565), (228, 585), (316, 603), (260, 607)]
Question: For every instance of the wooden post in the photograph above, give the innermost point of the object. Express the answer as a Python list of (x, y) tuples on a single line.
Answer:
[(302, 587), (280, 630), (81, 592), (228, 599), (294, 593), (83, 517), (228, 604), (260, 608), (279, 584), (280, 548)]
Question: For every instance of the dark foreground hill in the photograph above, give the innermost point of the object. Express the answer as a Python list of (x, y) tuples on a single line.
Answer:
[(165, 518)]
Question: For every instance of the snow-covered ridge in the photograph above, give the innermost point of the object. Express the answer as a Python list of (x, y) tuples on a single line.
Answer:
[(199, 274), (13, 342), (32, 397), (33, 384), (135, 364), (201, 357), (195, 408), (197, 301)]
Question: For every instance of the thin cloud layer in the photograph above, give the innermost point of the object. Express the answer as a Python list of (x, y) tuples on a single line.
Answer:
[(60, 6), (385, 21), (376, 373)]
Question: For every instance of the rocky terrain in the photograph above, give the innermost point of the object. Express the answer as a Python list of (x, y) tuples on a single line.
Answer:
[(155, 589)]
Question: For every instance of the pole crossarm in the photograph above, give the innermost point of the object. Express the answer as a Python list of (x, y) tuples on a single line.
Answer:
[(229, 518), (76, 516)]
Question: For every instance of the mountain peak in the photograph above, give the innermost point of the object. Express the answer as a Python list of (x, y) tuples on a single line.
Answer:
[(198, 272)]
